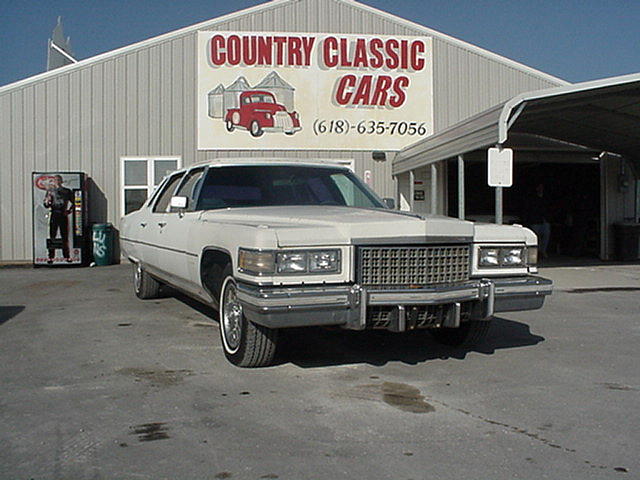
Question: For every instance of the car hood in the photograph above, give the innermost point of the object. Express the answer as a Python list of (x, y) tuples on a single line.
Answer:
[(333, 225)]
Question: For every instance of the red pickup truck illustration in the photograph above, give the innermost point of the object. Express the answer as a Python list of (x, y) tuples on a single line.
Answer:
[(259, 113)]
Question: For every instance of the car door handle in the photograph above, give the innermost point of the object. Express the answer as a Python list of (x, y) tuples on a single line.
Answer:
[(162, 224), (143, 224)]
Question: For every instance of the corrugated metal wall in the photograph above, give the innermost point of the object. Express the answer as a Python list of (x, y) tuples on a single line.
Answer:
[(143, 102)]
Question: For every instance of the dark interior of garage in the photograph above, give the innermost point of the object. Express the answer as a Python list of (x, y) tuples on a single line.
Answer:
[(570, 202)]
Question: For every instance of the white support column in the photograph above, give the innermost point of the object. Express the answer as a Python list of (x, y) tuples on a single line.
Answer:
[(461, 187), (434, 188), (412, 188)]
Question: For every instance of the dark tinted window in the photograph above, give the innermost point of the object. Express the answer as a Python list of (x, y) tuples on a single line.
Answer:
[(164, 199), (258, 186), (189, 187)]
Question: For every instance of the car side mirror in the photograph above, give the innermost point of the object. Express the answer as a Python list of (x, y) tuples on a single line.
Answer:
[(178, 203), (390, 203)]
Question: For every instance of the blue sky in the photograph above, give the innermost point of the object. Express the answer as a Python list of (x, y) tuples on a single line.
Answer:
[(571, 39)]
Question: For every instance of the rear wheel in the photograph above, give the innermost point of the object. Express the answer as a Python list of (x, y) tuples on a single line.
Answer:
[(467, 334), (145, 285), (245, 343), (230, 126)]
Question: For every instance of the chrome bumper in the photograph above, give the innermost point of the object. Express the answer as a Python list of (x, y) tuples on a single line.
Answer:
[(346, 305)]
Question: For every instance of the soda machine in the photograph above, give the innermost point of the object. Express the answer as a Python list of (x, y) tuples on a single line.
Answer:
[(60, 233)]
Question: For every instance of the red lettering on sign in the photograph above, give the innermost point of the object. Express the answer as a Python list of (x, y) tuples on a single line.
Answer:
[(400, 96), (265, 49), (249, 50), (329, 54), (381, 90), (234, 55), (217, 57), (391, 49), (279, 42), (377, 60), (295, 51), (345, 89), (307, 46), (417, 62)]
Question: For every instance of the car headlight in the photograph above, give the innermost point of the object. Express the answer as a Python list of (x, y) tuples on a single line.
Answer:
[(289, 262), (257, 262), (267, 116), (503, 257)]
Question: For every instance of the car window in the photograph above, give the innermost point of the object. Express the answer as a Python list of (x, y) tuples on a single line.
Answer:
[(259, 186), (189, 187), (162, 205)]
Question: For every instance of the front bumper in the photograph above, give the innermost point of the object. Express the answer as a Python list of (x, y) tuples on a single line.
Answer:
[(347, 305)]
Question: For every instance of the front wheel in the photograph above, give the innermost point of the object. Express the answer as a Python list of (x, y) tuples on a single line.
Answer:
[(245, 343), (255, 129), (468, 334), (230, 126), (145, 285)]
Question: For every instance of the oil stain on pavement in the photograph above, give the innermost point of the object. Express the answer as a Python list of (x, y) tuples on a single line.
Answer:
[(398, 395), (157, 378), (149, 432)]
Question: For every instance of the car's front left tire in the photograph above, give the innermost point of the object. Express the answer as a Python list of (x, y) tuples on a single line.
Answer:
[(255, 129), (245, 343), (145, 285)]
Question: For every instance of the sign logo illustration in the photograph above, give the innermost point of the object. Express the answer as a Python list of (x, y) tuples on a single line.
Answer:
[(266, 107)]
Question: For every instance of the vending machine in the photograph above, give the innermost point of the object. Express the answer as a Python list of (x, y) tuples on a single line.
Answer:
[(60, 234)]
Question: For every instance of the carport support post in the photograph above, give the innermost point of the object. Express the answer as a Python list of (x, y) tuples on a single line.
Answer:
[(461, 187), (434, 188)]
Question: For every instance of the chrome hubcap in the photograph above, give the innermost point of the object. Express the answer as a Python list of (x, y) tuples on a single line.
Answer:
[(232, 318)]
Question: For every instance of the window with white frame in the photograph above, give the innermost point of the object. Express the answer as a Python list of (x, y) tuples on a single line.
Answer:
[(139, 176)]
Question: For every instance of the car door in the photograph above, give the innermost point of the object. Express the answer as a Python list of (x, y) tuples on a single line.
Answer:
[(179, 256), (152, 226)]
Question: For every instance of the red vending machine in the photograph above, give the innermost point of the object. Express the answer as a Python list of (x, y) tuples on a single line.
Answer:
[(60, 234)]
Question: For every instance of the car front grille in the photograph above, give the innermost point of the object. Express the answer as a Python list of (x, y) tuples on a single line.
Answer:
[(283, 120), (414, 266)]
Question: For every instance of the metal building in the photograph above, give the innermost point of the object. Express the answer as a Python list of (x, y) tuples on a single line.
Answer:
[(127, 116)]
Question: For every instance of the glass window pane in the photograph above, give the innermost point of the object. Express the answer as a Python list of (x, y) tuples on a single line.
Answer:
[(162, 204), (162, 168), (188, 188), (134, 199), (135, 172)]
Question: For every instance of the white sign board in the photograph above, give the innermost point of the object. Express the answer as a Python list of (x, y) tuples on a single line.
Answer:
[(500, 167), (313, 91)]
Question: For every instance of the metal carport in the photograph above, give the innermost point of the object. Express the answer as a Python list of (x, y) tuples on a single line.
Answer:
[(601, 116)]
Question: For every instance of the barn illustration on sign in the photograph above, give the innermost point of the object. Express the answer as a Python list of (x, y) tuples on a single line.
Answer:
[(265, 107)]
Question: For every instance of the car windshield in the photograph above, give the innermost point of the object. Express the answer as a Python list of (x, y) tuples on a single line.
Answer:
[(262, 186)]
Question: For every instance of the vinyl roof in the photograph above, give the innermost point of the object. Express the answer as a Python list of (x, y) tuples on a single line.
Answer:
[(601, 115)]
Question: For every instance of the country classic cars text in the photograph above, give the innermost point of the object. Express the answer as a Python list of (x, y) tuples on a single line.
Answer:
[(382, 56)]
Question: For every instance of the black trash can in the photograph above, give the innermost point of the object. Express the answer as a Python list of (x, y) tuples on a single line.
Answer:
[(627, 237), (103, 236)]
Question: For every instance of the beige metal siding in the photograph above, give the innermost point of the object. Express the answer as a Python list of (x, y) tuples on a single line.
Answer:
[(142, 101)]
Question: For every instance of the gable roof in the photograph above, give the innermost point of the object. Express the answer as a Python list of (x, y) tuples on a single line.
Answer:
[(273, 4)]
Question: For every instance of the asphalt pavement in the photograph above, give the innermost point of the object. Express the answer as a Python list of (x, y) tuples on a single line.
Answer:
[(97, 384)]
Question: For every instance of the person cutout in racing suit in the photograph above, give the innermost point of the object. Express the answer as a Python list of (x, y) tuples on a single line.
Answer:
[(59, 200)]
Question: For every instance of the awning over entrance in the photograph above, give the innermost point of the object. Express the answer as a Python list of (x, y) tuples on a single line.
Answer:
[(602, 115)]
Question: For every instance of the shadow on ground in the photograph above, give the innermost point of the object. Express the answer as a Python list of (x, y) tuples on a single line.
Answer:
[(320, 347), (8, 312)]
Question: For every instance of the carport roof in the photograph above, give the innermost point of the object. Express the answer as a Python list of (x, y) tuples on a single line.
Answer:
[(600, 115)]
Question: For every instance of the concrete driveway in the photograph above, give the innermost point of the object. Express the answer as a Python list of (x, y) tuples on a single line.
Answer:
[(97, 384)]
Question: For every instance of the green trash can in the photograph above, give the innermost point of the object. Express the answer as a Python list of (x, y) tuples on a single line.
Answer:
[(102, 235)]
